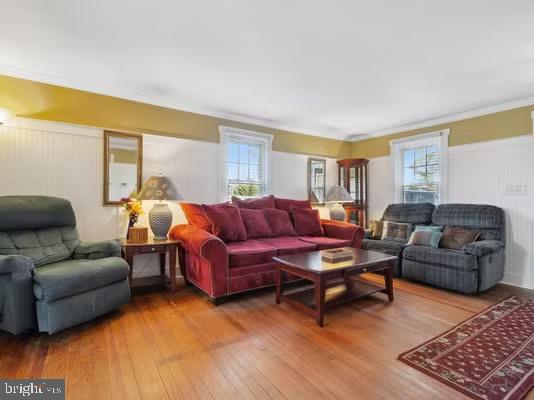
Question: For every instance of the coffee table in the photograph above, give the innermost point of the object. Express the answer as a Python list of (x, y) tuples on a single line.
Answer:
[(334, 283)]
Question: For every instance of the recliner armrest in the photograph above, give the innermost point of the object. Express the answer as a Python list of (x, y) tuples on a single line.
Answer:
[(483, 248), (344, 230), (96, 250), (10, 264)]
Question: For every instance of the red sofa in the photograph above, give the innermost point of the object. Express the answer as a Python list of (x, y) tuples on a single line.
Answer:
[(222, 268)]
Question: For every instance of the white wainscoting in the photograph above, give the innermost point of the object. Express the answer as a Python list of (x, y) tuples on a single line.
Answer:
[(63, 160), (484, 173)]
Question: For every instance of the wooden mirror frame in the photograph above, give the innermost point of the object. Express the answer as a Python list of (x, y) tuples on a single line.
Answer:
[(310, 162), (107, 136)]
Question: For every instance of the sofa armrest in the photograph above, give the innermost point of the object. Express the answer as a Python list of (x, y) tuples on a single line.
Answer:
[(15, 264), (206, 258), (483, 248), (345, 231), (96, 250)]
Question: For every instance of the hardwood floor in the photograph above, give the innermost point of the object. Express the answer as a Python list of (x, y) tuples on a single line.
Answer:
[(164, 346)]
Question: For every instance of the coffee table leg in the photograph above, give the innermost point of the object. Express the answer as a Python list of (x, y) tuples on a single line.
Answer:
[(388, 278), (278, 279), (320, 288)]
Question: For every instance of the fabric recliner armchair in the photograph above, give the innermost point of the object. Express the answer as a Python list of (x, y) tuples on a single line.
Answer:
[(49, 279)]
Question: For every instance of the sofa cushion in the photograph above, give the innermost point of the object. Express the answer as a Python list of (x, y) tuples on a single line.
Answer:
[(226, 221), (396, 231), (420, 213), (279, 222), (383, 246), (488, 220), (289, 245), (255, 223), (256, 204), (443, 257), (376, 229), (249, 252), (71, 277), (285, 205), (196, 216), (307, 221), (324, 243)]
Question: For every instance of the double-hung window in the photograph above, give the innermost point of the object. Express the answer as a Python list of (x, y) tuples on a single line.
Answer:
[(246, 163), (420, 168)]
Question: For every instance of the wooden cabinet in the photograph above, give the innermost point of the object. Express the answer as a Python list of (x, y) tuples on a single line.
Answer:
[(353, 176)]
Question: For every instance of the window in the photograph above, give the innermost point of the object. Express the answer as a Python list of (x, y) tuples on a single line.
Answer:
[(246, 163), (420, 168)]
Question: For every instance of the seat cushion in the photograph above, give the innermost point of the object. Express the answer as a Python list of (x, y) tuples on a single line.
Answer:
[(383, 246), (289, 245), (325, 243), (249, 252), (443, 257), (70, 277)]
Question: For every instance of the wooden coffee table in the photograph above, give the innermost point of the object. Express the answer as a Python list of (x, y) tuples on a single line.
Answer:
[(334, 283)]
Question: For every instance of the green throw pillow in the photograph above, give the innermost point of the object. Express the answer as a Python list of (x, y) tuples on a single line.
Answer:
[(428, 228), (427, 238)]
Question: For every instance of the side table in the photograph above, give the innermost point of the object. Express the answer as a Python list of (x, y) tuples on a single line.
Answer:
[(162, 247)]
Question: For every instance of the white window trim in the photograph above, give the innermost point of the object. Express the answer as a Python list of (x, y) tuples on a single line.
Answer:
[(226, 133), (397, 145)]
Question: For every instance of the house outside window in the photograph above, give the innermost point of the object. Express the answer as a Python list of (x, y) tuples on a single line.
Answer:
[(246, 159), (420, 168)]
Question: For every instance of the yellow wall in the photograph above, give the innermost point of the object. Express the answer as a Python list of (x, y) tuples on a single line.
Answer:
[(499, 125), (54, 103)]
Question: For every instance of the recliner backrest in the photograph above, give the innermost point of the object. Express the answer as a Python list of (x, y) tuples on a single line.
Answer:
[(417, 214), (39, 227), (488, 220)]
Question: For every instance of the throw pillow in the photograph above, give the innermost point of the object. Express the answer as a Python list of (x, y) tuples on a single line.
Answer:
[(376, 229), (196, 216), (285, 205), (256, 204), (226, 221), (396, 231), (457, 238), (428, 228), (255, 223), (307, 221), (279, 222), (425, 238)]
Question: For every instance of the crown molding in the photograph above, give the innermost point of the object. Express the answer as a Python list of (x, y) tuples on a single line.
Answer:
[(527, 101)]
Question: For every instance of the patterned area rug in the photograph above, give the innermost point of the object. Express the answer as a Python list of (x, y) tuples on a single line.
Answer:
[(488, 357)]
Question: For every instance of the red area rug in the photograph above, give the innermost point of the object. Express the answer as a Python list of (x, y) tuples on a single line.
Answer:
[(488, 357)]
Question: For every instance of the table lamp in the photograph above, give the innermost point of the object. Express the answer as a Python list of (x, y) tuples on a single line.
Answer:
[(338, 194), (160, 215)]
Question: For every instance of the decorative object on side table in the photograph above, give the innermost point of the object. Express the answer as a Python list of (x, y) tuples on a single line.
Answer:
[(160, 216), (337, 194), (134, 209), (138, 234)]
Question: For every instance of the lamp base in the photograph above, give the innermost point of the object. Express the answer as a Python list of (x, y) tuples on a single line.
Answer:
[(160, 220), (337, 212)]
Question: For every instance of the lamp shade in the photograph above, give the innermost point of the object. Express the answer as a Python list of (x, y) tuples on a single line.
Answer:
[(338, 194), (158, 188)]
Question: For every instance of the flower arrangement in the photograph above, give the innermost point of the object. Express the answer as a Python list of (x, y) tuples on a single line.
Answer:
[(134, 208)]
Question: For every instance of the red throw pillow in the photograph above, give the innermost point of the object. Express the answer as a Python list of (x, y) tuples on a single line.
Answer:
[(285, 204), (279, 222), (255, 223), (226, 221), (256, 204), (196, 216), (307, 221)]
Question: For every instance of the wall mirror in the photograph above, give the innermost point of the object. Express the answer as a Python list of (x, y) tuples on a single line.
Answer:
[(123, 166), (316, 180)]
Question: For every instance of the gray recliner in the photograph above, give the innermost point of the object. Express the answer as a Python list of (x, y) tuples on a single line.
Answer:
[(48, 279)]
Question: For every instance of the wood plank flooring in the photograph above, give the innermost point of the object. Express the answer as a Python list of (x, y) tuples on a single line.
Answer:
[(164, 346)]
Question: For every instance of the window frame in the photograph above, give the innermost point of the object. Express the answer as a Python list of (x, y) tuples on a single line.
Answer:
[(439, 138), (236, 135)]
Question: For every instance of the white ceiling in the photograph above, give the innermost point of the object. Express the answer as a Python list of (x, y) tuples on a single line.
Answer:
[(329, 68)]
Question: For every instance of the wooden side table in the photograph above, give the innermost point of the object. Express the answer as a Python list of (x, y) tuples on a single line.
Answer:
[(162, 247)]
